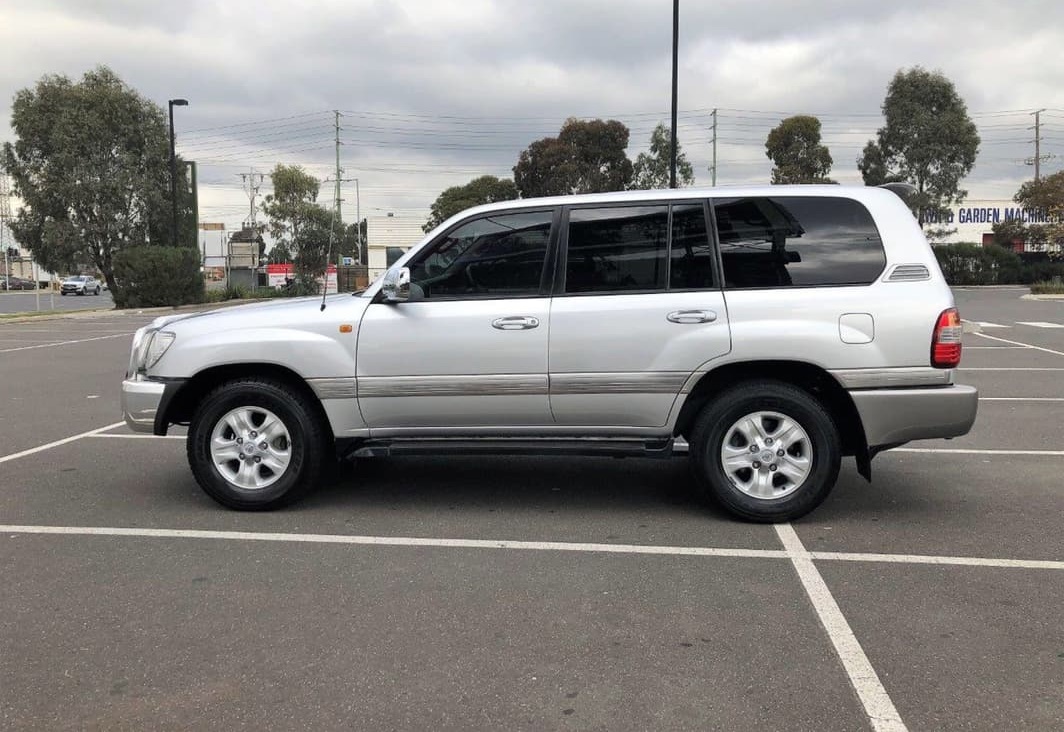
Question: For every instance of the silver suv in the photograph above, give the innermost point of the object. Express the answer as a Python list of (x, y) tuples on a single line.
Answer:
[(80, 285), (775, 330)]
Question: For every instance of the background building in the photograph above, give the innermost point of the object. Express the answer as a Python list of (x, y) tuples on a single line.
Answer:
[(388, 237)]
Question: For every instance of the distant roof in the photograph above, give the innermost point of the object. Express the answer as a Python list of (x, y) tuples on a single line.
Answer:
[(394, 231), (246, 235)]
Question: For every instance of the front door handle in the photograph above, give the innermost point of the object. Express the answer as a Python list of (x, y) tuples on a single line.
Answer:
[(691, 316), (515, 322)]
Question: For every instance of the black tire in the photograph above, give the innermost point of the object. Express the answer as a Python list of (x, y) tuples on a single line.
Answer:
[(725, 410), (63, 293), (308, 444), (97, 291)]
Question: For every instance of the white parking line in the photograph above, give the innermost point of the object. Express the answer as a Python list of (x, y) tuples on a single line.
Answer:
[(399, 541), (976, 451), (57, 443), (1040, 324), (1019, 343), (1010, 368), (409, 541), (141, 437), (65, 343), (877, 703), (1021, 399), (941, 561)]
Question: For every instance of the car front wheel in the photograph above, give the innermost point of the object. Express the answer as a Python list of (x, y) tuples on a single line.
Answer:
[(765, 450), (256, 444)]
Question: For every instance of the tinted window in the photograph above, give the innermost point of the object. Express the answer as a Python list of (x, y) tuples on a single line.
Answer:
[(797, 241), (617, 249), (691, 260), (494, 256)]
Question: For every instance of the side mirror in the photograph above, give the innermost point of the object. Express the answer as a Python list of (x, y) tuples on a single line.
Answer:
[(396, 285)]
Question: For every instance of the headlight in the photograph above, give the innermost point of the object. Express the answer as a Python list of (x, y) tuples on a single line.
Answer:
[(136, 352), (157, 345)]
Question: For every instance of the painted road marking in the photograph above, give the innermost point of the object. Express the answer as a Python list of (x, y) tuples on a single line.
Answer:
[(877, 703), (1021, 399), (975, 451), (1018, 343), (1009, 368), (65, 343), (1040, 324), (639, 549), (140, 437), (57, 443), (983, 324)]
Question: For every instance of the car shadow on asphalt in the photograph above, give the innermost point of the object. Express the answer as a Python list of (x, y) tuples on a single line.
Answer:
[(512, 483)]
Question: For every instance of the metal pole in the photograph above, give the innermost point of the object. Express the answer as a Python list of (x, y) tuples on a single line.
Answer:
[(358, 216), (1037, 143), (173, 171), (173, 180), (675, 60), (36, 289), (714, 146)]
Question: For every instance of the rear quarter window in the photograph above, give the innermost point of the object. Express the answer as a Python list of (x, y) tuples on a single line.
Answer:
[(797, 241)]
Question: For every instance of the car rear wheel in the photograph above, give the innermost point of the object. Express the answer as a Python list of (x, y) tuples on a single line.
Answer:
[(256, 444), (766, 451)]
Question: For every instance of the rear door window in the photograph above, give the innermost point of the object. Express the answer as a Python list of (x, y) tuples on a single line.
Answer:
[(797, 241), (642, 248)]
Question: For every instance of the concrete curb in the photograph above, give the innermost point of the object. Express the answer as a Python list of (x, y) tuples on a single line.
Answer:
[(89, 312), (1044, 298)]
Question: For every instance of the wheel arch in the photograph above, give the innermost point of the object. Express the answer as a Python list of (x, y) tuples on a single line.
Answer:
[(809, 377), (181, 404)]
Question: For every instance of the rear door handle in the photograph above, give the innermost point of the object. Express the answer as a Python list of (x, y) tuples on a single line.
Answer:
[(691, 316), (515, 322)]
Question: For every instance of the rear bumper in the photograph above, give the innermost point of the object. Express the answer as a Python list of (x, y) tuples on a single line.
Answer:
[(893, 416)]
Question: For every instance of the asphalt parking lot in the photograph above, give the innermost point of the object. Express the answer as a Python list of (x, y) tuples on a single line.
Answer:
[(28, 301), (536, 594)]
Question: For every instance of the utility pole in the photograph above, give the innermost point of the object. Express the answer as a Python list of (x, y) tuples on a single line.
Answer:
[(251, 188), (675, 57), (1038, 156), (5, 216), (339, 172), (713, 168)]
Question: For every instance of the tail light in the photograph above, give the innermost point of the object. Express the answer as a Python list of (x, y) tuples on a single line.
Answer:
[(946, 343)]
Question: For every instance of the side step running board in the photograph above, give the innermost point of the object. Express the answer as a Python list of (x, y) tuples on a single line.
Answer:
[(590, 447)]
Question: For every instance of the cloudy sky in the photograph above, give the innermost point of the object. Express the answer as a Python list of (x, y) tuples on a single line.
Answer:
[(435, 92)]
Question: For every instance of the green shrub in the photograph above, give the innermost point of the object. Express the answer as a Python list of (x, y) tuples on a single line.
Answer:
[(1048, 288), (156, 276), (972, 264)]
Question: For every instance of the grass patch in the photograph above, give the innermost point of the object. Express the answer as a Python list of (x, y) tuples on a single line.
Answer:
[(1047, 288), (40, 313)]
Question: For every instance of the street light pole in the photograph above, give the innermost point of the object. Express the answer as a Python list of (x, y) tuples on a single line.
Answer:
[(173, 171), (675, 58)]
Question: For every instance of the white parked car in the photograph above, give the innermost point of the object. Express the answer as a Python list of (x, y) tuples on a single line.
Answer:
[(80, 285), (774, 329)]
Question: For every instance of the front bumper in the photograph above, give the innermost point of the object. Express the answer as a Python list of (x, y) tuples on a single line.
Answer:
[(894, 416), (141, 401)]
